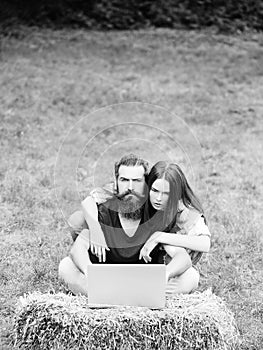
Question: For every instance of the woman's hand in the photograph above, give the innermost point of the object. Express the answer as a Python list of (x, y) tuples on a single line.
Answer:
[(96, 237), (149, 246), (99, 251), (101, 195)]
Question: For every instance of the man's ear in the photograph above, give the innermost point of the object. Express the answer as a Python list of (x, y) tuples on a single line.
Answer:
[(115, 185)]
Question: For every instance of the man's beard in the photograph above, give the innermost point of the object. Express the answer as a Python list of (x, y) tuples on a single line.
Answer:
[(130, 208)]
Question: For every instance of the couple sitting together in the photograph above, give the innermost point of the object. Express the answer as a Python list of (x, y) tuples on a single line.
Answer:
[(148, 217)]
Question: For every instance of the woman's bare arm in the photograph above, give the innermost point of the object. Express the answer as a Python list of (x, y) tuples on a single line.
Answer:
[(200, 243), (98, 244), (79, 251)]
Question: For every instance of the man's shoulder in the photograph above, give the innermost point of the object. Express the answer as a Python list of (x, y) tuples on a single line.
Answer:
[(109, 205)]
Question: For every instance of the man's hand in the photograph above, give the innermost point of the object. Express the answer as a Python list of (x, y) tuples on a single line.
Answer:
[(148, 247)]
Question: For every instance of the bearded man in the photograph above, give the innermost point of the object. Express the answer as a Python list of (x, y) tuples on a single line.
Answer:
[(121, 219)]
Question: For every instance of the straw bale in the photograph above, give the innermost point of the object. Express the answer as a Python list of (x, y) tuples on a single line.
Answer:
[(59, 321)]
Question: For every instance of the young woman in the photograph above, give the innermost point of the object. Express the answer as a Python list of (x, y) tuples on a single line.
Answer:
[(172, 207), (175, 217)]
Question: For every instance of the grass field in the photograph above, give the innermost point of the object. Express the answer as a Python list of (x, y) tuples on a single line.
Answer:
[(49, 79)]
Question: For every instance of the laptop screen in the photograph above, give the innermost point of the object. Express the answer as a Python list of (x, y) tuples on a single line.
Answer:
[(127, 284)]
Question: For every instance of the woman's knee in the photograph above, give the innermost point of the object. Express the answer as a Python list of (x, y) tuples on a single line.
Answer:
[(190, 279), (195, 277)]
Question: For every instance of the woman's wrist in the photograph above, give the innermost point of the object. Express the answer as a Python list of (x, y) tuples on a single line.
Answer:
[(159, 236), (165, 237)]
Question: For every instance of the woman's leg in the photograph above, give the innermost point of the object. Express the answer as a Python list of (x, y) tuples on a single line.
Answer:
[(183, 278), (177, 261), (186, 283)]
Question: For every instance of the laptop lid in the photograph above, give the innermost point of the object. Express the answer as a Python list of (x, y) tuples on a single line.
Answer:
[(126, 284)]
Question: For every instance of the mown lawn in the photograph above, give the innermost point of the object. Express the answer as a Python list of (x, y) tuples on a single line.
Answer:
[(50, 79)]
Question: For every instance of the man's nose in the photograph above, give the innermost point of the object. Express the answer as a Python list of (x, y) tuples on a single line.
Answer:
[(130, 185)]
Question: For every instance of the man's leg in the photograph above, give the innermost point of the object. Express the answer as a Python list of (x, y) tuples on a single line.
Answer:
[(183, 278), (67, 270), (73, 277)]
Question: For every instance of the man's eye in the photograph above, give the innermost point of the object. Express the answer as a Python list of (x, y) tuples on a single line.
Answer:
[(123, 180), (154, 190), (138, 180)]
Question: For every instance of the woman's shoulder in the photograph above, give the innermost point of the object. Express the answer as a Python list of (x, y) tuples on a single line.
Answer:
[(187, 216)]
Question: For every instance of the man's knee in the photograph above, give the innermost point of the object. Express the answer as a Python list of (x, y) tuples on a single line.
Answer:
[(65, 269), (77, 223), (72, 277)]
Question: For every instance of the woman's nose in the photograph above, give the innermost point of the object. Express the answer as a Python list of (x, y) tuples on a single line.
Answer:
[(159, 197)]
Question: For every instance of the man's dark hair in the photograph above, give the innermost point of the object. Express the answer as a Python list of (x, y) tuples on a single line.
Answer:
[(131, 160)]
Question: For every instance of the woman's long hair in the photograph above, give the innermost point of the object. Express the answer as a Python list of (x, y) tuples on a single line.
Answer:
[(179, 190)]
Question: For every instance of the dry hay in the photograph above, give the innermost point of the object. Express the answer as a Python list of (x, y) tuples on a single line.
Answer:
[(60, 321)]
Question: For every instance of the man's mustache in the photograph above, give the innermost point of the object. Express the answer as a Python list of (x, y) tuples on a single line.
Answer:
[(127, 192)]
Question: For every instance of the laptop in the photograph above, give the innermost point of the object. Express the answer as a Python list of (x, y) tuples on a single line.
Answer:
[(126, 284)]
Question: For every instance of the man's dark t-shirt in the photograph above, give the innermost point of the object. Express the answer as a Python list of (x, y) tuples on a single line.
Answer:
[(123, 249)]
